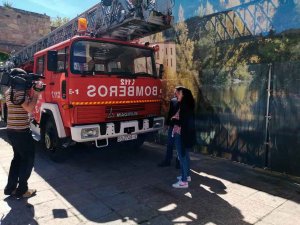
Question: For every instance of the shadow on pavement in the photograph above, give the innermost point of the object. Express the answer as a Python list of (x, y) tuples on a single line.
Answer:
[(249, 178), (117, 185), (21, 212)]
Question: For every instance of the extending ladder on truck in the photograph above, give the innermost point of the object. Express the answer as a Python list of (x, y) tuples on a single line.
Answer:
[(116, 19)]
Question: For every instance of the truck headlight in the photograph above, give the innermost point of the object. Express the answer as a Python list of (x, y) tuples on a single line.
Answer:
[(89, 132), (158, 123)]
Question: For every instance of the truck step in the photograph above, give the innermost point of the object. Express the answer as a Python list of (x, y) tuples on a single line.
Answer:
[(36, 136)]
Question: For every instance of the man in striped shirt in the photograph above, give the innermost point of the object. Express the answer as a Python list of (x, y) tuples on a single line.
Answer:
[(19, 135)]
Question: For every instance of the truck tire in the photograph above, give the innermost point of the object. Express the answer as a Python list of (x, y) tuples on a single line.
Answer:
[(52, 143)]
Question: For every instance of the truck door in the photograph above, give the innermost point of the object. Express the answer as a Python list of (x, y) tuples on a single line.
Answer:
[(56, 78), (40, 70)]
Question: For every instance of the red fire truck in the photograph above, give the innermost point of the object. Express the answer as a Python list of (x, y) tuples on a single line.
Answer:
[(101, 86)]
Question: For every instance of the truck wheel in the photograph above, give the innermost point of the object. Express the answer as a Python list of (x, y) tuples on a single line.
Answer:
[(52, 143)]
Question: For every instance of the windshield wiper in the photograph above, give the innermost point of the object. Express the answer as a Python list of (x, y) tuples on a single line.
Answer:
[(143, 74), (122, 74), (86, 73)]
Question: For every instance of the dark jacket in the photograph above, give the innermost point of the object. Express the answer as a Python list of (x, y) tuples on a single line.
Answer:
[(174, 106), (188, 131)]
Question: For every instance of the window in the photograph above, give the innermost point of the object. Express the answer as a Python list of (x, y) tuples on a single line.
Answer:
[(40, 66), (166, 51), (97, 58), (171, 51), (114, 66), (62, 62), (171, 62), (167, 62), (67, 57), (142, 64)]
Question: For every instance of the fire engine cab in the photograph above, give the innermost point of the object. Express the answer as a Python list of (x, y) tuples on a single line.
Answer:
[(101, 85), (97, 89)]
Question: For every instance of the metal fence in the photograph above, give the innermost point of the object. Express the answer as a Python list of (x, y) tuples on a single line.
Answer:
[(254, 122)]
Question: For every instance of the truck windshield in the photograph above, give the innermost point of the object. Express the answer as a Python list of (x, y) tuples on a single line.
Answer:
[(91, 57)]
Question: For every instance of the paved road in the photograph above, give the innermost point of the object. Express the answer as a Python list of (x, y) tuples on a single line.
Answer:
[(120, 187)]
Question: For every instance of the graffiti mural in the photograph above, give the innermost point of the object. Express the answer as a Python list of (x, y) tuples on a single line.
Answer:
[(241, 59)]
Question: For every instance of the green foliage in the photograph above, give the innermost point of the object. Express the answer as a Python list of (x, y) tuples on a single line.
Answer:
[(295, 51), (3, 56), (273, 49), (186, 73), (7, 4), (59, 21), (169, 82), (219, 64), (224, 62), (221, 76), (205, 51), (184, 45), (155, 38), (217, 76), (242, 72)]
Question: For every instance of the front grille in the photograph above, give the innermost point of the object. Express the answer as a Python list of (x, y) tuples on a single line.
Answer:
[(89, 114), (110, 113), (124, 108)]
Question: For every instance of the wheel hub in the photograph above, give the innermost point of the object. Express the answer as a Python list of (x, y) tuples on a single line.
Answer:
[(48, 143)]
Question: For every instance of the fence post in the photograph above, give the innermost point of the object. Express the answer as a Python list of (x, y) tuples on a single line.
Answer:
[(268, 118)]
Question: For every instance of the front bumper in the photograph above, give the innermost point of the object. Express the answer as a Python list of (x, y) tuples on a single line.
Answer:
[(125, 127)]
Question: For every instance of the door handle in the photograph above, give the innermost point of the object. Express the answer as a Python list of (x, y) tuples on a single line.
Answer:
[(51, 83)]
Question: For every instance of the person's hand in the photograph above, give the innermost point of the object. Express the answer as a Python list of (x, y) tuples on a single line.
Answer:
[(39, 86)]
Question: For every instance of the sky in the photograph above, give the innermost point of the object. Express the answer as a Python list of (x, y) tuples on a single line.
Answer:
[(54, 8), (71, 8)]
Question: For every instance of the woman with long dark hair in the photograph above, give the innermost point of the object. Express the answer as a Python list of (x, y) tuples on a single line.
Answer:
[(184, 134)]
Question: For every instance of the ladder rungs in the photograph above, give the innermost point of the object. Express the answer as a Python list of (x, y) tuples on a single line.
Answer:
[(135, 26)]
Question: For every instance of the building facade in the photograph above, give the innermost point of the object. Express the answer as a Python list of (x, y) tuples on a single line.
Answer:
[(167, 55), (20, 28)]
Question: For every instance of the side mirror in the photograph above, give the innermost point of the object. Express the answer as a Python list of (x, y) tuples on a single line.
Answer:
[(161, 71), (52, 60)]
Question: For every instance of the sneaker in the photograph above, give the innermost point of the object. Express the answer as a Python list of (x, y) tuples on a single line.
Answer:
[(181, 184), (189, 179), (28, 194)]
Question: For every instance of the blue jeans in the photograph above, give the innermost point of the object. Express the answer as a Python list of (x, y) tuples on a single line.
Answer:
[(170, 146), (184, 160)]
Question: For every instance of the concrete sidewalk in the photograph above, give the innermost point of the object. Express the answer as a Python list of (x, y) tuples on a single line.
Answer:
[(120, 187)]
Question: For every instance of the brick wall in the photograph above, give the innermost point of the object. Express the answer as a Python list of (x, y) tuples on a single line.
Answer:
[(19, 28)]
